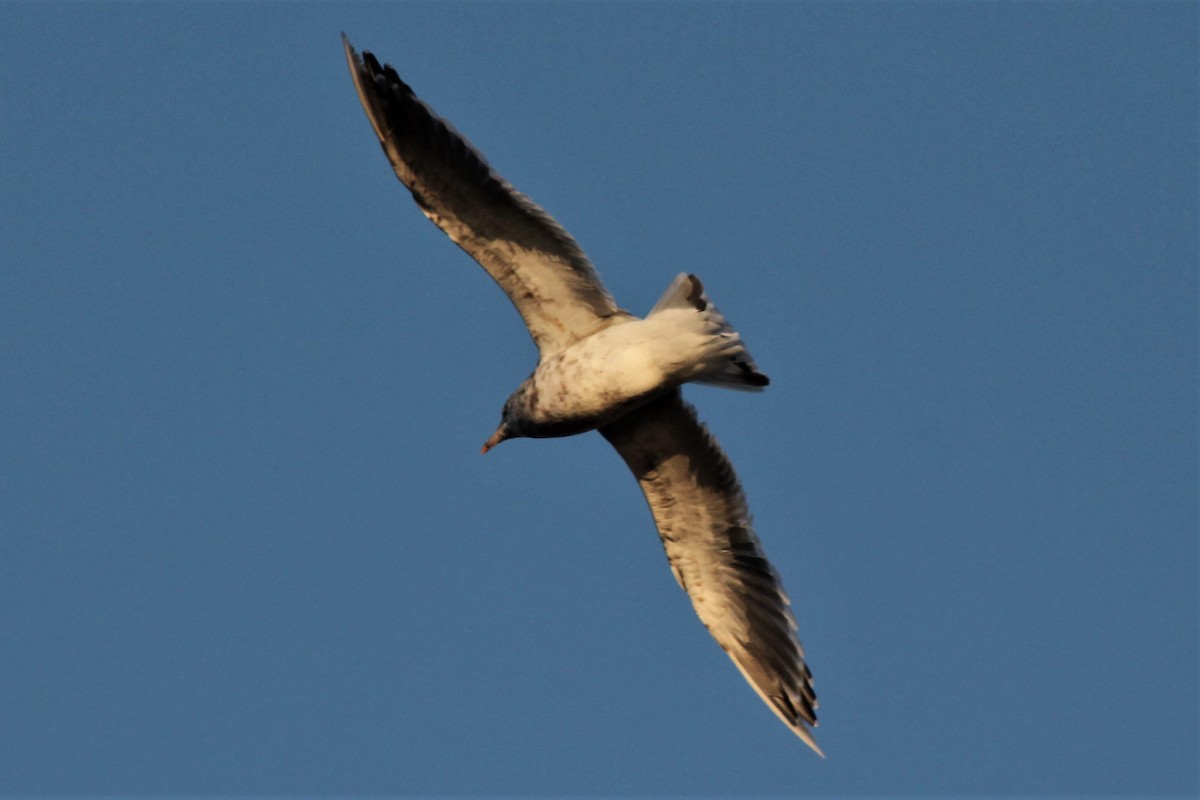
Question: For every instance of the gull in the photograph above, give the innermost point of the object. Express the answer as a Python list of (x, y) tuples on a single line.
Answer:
[(601, 368)]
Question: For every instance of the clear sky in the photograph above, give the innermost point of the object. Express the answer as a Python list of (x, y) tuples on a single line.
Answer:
[(248, 543)]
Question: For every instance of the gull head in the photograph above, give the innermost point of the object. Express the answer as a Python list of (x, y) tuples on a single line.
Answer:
[(513, 420)]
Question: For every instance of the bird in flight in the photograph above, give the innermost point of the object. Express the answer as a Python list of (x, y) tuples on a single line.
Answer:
[(601, 368)]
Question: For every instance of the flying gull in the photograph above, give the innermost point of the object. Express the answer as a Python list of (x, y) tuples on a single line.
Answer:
[(601, 368)]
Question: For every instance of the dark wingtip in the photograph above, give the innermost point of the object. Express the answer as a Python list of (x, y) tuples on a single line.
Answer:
[(348, 49)]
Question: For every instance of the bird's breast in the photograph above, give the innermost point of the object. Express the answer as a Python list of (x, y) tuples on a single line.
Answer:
[(593, 382)]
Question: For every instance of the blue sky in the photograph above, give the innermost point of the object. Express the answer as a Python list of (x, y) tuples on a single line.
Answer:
[(250, 546)]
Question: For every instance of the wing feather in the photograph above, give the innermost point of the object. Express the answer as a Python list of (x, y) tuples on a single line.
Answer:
[(702, 517), (536, 262)]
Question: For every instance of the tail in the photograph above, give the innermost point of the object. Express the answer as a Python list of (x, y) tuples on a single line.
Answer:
[(723, 358)]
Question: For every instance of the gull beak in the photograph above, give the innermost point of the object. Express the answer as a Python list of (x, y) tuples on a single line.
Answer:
[(499, 436)]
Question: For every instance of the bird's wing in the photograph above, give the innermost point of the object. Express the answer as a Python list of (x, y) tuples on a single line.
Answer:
[(535, 261), (704, 523)]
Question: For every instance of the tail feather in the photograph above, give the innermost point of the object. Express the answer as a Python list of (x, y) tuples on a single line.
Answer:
[(725, 361), (685, 291)]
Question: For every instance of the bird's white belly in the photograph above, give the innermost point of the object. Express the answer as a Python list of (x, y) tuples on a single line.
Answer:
[(596, 380)]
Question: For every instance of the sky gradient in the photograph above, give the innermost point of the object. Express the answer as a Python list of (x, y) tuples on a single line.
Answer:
[(249, 543)]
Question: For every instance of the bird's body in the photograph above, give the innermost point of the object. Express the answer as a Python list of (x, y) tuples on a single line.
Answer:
[(606, 375), (589, 384), (601, 368)]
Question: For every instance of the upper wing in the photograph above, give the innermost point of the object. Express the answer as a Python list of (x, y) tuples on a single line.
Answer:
[(535, 261), (702, 517)]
